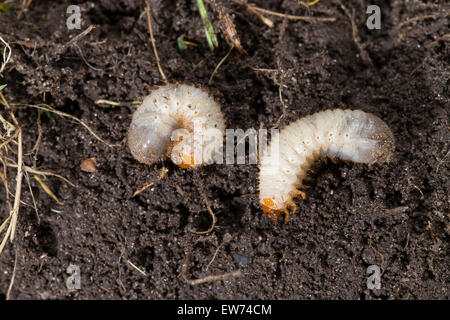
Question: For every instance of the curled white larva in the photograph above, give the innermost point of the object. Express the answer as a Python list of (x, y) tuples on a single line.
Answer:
[(341, 134), (170, 121)]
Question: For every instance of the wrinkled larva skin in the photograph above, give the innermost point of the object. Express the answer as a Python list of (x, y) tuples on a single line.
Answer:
[(339, 134), (153, 133)]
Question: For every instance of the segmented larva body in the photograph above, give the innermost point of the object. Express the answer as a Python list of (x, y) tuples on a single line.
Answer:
[(341, 134), (168, 121)]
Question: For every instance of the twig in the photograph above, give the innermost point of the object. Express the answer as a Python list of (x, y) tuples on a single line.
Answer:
[(150, 30), (222, 276)]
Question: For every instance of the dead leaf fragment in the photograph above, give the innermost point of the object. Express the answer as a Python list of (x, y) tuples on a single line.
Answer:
[(88, 165)]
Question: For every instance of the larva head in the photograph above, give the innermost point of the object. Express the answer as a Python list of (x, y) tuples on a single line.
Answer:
[(270, 209), (374, 140), (181, 157), (376, 129), (181, 150)]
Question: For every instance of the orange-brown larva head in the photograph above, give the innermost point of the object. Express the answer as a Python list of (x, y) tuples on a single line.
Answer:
[(187, 161), (273, 210), (181, 157), (270, 209)]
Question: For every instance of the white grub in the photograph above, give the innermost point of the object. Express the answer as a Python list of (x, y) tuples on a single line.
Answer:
[(169, 122), (351, 135)]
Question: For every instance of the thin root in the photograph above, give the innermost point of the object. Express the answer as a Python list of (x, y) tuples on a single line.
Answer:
[(362, 52), (63, 114), (219, 64), (213, 216), (222, 276), (152, 38)]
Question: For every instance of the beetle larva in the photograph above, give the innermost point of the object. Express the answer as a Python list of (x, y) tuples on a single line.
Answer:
[(351, 135), (168, 123)]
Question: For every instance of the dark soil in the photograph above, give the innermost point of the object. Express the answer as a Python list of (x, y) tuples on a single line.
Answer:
[(394, 216)]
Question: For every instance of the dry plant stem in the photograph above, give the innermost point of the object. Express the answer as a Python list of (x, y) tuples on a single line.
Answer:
[(16, 206), (14, 136), (47, 190), (307, 4), (42, 173), (10, 232), (32, 197), (283, 15), (222, 276), (5, 182), (13, 276), (363, 53), (225, 240), (142, 189), (63, 114), (150, 30), (6, 57), (219, 64), (38, 140), (265, 20), (75, 39)]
